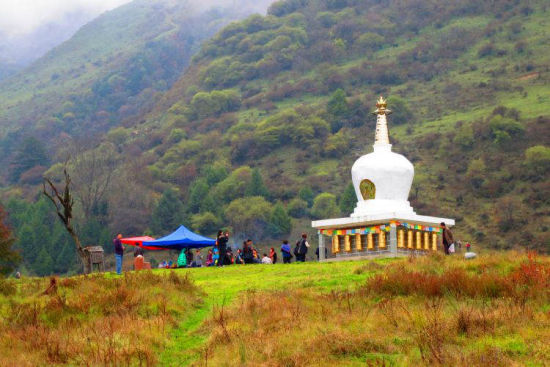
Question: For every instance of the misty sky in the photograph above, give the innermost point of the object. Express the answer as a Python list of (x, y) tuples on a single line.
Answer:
[(19, 17)]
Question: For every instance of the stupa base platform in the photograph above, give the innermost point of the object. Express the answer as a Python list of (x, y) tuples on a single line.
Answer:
[(379, 235)]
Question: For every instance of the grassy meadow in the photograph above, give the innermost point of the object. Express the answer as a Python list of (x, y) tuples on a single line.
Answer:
[(494, 310)]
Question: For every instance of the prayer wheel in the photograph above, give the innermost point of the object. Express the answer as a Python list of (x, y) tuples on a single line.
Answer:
[(410, 239), (401, 238), (434, 241), (335, 245), (426, 240), (370, 243), (382, 239), (418, 240), (347, 244), (358, 244)]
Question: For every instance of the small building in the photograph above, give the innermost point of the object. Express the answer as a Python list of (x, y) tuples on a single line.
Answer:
[(383, 222)]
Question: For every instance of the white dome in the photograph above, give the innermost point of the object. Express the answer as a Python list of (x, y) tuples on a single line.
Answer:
[(391, 175)]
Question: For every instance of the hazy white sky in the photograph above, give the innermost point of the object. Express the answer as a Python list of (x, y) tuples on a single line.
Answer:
[(23, 16)]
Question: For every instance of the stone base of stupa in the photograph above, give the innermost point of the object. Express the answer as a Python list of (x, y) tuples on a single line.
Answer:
[(382, 234)]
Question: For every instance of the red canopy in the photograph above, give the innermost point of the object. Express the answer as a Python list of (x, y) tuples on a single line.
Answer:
[(138, 241)]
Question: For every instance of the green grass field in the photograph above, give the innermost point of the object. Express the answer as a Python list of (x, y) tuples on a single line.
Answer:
[(432, 310), (223, 285)]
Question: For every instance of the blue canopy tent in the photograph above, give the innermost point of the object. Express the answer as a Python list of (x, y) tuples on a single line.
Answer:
[(182, 238)]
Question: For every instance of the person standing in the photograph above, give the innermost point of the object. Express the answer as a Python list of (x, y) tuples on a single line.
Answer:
[(189, 256), (248, 253), (222, 246), (285, 251), (119, 252), (301, 248), (273, 255), (447, 238)]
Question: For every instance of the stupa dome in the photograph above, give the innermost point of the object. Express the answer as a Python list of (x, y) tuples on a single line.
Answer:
[(382, 179)]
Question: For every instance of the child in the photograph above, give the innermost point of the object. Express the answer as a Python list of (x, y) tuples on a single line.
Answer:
[(266, 260), (216, 255), (209, 258)]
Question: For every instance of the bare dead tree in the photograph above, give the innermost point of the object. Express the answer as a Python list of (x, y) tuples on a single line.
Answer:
[(95, 169), (63, 201)]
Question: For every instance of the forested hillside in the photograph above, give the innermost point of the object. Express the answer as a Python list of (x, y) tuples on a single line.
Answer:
[(261, 131), (108, 72)]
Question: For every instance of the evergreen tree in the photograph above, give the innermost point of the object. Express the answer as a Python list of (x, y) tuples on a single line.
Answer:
[(197, 193), (338, 106), (279, 221), (65, 261), (306, 194), (339, 110), (348, 200), (256, 186), (31, 153), (8, 257), (168, 214), (44, 263)]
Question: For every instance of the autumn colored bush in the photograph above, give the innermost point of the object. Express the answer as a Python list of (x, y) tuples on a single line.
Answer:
[(93, 320), (426, 311)]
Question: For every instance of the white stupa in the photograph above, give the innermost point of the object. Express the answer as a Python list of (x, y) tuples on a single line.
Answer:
[(382, 181)]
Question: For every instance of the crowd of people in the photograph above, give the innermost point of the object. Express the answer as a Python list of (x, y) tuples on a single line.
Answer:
[(221, 254)]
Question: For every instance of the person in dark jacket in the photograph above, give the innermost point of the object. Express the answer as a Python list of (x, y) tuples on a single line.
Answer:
[(119, 252), (285, 251), (248, 252), (222, 245), (138, 251), (317, 253), (301, 248), (189, 256), (447, 238)]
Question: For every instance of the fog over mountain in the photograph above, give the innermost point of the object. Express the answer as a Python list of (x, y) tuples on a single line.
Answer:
[(30, 28)]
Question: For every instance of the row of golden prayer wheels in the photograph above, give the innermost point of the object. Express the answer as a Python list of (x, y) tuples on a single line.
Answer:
[(406, 240)]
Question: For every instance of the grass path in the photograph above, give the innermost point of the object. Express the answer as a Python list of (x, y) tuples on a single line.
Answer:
[(223, 285)]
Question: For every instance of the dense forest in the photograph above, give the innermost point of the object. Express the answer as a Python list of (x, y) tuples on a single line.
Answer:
[(260, 132)]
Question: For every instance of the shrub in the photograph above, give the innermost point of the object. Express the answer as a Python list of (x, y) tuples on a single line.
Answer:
[(7, 288), (324, 206), (297, 208), (537, 159)]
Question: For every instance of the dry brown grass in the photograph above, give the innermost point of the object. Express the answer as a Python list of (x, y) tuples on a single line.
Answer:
[(93, 320), (426, 311)]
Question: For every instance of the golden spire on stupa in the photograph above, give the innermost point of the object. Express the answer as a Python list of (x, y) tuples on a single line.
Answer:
[(382, 136), (381, 105)]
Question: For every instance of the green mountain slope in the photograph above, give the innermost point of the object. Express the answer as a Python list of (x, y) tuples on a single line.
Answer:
[(290, 94), (110, 70), (261, 131)]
